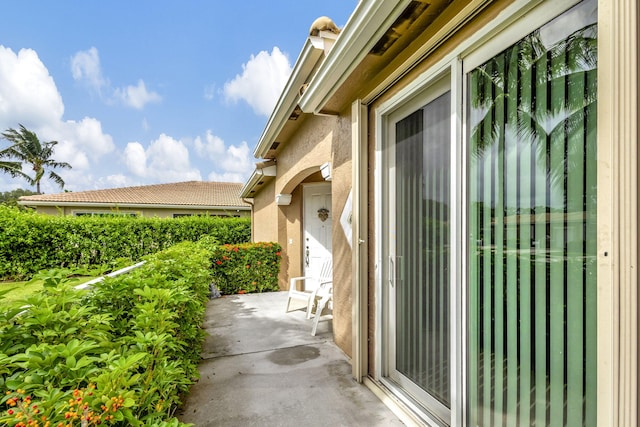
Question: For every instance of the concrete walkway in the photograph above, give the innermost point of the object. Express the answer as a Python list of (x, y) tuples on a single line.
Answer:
[(261, 367)]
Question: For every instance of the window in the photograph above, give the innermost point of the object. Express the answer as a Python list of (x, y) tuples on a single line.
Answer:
[(105, 214), (532, 228), (520, 285)]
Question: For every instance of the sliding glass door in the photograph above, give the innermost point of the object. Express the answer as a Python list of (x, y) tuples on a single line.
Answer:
[(520, 285), (532, 229), (419, 332)]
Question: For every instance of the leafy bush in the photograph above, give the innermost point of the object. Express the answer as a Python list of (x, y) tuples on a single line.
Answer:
[(30, 242), (244, 268), (121, 354)]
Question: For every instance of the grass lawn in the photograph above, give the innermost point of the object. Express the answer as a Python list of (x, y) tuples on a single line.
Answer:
[(24, 289)]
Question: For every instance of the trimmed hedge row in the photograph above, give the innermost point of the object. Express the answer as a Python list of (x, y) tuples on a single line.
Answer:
[(31, 242), (122, 354), (246, 268)]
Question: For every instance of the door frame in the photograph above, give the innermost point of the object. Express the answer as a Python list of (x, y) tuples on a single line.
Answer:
[(447, 72), (305, 187)]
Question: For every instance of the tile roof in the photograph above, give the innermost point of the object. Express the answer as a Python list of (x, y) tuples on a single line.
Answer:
[(191, 193)]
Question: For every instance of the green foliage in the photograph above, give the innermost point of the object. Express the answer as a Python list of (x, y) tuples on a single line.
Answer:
[(27, 148), (121, 354), (30, 242), (10, 198), (245, 268)]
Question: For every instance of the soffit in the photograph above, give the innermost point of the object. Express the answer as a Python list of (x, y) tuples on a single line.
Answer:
[(283, 137), (411, 30)]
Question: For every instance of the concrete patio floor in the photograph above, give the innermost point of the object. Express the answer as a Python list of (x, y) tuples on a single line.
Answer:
[(261, 367)]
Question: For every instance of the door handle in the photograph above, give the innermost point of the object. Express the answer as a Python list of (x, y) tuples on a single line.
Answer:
[(306, 257), (392, 272)]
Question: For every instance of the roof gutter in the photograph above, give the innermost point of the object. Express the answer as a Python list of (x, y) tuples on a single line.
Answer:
[(288, 100), (263, 170), (128, 205), (367, 24)]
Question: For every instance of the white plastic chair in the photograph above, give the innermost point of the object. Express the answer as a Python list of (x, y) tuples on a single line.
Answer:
[(325, 302), (311, 287)]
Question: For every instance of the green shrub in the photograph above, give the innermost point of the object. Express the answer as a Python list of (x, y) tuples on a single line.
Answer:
[(121, 354), (30, 242), (245, 268)]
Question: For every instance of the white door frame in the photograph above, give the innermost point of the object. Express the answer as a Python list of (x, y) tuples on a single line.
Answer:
[(307, 258)]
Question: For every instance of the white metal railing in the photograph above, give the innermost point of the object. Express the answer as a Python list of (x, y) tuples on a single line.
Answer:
[(88, 284)]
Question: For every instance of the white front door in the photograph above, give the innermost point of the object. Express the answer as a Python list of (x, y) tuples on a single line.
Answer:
[(317, 227)]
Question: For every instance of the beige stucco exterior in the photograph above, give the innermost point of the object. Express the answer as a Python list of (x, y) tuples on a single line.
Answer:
[(168, 212), (315, 140), (170, 200), (354, 88)]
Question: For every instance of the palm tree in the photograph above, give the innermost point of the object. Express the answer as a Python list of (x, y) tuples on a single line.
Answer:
[(27, 148), (7, 166), (568, 63)]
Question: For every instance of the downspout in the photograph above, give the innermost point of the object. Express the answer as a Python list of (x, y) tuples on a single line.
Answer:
[(252, 203)]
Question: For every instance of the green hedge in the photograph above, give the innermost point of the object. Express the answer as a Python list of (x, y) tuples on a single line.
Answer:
[(245, 268), (30, 242), (122, 354)]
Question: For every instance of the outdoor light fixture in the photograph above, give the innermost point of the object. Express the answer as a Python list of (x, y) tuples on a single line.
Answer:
[(325, 169), (283, 199)]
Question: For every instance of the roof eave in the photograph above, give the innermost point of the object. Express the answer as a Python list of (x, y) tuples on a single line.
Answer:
[(259, 174), (309, 57), (251, 183), (369, 22)]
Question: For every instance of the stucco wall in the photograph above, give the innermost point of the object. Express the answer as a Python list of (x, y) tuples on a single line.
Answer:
[(303, 154), (264, 212), (342, 262), (146, 212), (289, 230), (315, 141)]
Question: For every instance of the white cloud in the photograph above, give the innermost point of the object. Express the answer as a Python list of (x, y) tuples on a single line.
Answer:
[(211, 148), (114, 181), (137, 96), (235, 161), (87, 135), (85, 67), (263, 78), (226, 177), (238, 159), (135, 158), (28, 94), (164, 160)]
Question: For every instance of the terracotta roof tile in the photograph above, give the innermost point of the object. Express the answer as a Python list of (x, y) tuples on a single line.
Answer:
[(191, 193)]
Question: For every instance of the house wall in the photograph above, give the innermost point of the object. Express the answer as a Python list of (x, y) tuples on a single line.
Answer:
[(160, 213), (342, 260), (307, 149), (617, 303), (264, 212), (289, 230), (316, 140)]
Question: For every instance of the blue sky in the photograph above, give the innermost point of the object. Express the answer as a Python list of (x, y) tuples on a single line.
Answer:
[(143, 92)]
